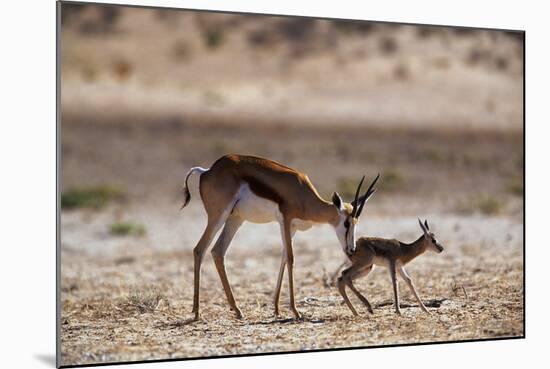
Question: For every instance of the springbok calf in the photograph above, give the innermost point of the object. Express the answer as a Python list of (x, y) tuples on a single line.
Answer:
[(392, 254), (240, 188)]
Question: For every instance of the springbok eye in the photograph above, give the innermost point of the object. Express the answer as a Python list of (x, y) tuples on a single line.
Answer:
[(346, 223)]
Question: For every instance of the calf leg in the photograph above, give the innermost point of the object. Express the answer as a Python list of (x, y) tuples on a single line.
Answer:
[(409, 282), (337, 271), (342, 289), (395, 287), (356, 291)]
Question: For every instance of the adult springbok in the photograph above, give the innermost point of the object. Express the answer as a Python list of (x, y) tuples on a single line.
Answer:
[(240, 188)]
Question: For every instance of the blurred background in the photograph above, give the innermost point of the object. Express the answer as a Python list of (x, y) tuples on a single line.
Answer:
[(148, 93)]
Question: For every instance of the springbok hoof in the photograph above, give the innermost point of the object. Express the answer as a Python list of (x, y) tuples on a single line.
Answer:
[(297, 315), (238, 313)]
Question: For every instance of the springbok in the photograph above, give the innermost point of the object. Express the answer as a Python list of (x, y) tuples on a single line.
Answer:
[(392, 254), (240, 188)]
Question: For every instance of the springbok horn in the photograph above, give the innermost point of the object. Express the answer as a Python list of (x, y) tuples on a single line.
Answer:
[(355, 202), (368, 194), (422, 226)]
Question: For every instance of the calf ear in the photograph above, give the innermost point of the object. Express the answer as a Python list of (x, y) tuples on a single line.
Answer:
[(337, 200), (426, 224)]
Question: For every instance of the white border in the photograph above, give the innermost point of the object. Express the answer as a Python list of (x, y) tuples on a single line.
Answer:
[(27, 162)]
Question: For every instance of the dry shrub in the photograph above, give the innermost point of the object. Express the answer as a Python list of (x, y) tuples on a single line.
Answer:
[(127, 229), (70, 11), (425, 32), (167, 16), (91, 197), (515, 186), (439, 156), (464, 31), (89, 73), (391, 180), (441, 63), (353, 27), (142, 301), (388, 45), (181, 50), (401, 72), (220, 148), (473, 160), (491, 105), (122, 70), (501, 63), (477, 56), (519, 161), (261, 38), (213, 38), (99, 20), (433, 155), (485, 204), (489, 205), (347, 186), (343, 150), (213, 98), (296, 29)]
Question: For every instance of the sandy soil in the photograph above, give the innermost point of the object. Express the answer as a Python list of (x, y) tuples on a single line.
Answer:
[(129, 298), (475, 288)]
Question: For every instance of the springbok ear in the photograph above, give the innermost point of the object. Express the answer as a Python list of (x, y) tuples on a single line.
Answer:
[(337, 200), (426, 224), (422, 226)]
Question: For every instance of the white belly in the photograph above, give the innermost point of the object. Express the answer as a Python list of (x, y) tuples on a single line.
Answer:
[(255, 209)]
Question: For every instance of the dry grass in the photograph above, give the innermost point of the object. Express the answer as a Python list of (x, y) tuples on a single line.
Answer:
[(143, 301), (91, 197), (392, 180), (213, 38), (127, 229), (346, 187), (515, 186), (484, 203)]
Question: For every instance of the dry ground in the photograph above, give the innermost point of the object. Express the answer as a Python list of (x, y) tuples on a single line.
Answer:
[(103, 320), (128, 298)]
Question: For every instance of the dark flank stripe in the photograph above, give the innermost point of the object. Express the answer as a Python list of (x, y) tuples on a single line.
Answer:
[(263, 190)]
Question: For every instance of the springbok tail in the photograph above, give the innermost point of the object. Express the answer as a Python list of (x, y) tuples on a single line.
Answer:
[(187, 194)]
